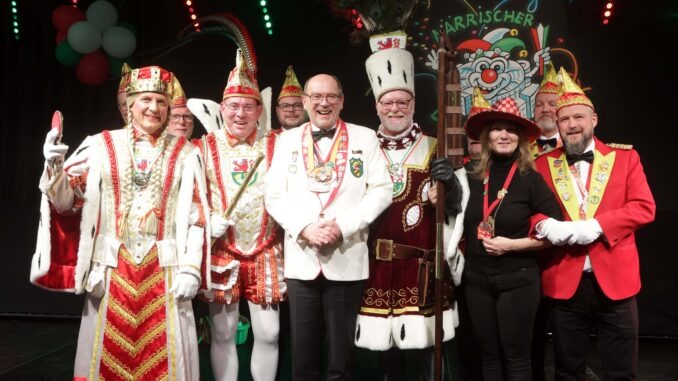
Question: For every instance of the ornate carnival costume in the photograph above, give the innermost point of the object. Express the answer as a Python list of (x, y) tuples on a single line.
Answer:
[(124, 220), (253, 244), (398, 306), (247, 258)]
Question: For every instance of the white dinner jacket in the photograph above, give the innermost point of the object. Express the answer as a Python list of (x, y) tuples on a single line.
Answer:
[(363, 195)]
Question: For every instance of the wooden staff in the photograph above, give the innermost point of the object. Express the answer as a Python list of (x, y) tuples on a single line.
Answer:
[(244, 185), (242, 188), (449, 124)]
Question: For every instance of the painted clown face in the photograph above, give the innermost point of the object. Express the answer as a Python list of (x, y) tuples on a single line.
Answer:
[(494, 74)]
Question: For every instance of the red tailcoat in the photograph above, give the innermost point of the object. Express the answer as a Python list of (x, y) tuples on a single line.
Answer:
[(625, 206)]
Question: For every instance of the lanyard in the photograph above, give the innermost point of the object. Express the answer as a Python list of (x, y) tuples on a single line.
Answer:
[(406, 156), (582, 191), (500, 195)]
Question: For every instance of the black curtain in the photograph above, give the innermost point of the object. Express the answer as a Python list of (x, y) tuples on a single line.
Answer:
[(627, 63)]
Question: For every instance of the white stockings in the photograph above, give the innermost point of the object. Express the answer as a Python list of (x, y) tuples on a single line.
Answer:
[(266, 329)]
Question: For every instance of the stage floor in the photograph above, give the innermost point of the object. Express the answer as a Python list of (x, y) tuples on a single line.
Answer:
[(44, 349)]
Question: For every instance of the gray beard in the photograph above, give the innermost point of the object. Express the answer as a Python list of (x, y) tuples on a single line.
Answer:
[(577, 147), (397, 128)]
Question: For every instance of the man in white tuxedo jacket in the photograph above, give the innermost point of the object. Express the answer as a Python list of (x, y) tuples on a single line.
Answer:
[(327, 182)]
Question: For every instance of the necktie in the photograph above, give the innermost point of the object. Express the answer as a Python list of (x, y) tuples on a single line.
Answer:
[(573, 158), (547, 142), (317, 135)]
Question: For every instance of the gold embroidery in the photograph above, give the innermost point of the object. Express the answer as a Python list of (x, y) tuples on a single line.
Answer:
[(620, 146), (150, 257), (133, 347), (171, 338), (135, 319), (129, 374), (137, 290)]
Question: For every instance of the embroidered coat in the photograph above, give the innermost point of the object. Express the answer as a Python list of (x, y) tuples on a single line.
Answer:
[(136, 329), (397, 307)]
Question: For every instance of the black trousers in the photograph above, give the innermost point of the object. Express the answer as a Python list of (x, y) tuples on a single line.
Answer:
[(615, 323), (539, 342), (503, 308), (393, 361), (323, 306)]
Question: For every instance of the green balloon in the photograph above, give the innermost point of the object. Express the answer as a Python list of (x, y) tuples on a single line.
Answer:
[(66, 55)]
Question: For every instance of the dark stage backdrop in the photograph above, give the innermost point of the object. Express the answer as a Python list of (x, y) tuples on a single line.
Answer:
[(626, 65)]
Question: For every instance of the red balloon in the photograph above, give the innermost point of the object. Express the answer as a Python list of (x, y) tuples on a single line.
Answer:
[(93, 68), (60, 36), (66, 15)]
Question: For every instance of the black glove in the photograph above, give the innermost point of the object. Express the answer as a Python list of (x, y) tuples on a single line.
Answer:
[(442, 171)]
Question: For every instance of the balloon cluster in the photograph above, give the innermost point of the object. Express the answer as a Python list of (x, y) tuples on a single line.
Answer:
[(94, 42)]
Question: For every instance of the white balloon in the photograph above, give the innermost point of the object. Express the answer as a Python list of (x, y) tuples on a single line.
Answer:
[(119, 42), (102, 14), (84, 37)]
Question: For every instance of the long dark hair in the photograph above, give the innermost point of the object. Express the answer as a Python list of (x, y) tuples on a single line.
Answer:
[(525, 162)]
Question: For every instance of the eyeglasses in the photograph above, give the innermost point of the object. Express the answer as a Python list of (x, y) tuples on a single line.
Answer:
[(402, 105), (247, 109), (179, 117), (318, 98), (291, 106)]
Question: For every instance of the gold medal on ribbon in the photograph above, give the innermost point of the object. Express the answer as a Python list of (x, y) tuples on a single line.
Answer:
[(321, 177)]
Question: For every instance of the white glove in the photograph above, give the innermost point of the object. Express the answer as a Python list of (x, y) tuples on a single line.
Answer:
[(585, 232), (96, 281), (185, 286), (219, 225), (54, 153), (558, 232)]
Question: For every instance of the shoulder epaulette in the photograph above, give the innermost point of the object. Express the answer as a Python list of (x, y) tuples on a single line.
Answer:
[(620, 146)]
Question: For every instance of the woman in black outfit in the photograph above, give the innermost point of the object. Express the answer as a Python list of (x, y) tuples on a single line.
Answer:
[(502, 279)]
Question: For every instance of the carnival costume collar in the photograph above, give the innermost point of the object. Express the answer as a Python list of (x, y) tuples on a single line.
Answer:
[(400, 141)]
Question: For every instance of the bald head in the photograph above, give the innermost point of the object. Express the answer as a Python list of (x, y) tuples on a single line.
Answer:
[(322, 79), (323, 100)]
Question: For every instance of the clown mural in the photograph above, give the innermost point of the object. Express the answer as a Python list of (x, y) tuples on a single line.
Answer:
[(503, 47), (498, 66)]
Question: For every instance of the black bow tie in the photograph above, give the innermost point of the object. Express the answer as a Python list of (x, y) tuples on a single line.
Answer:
[(553, 142), (317, 135), (573, 158)]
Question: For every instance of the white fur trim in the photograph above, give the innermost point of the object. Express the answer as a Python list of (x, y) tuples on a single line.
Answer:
[(453, 255), (192, 174), (390, 69), (417, 331), (265, 118), (208, 113), (88, 224), (375, 332), (42, 260)]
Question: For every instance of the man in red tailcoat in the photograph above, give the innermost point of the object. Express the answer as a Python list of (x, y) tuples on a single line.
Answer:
[(591, 280)]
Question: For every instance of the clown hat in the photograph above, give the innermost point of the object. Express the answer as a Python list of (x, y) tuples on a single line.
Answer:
[(503, 110), (241, 81), (178, 95), (549, 85), (291, 87), (479, 103), (390, 67), (124, 77), (150, 78), (569, 94)]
